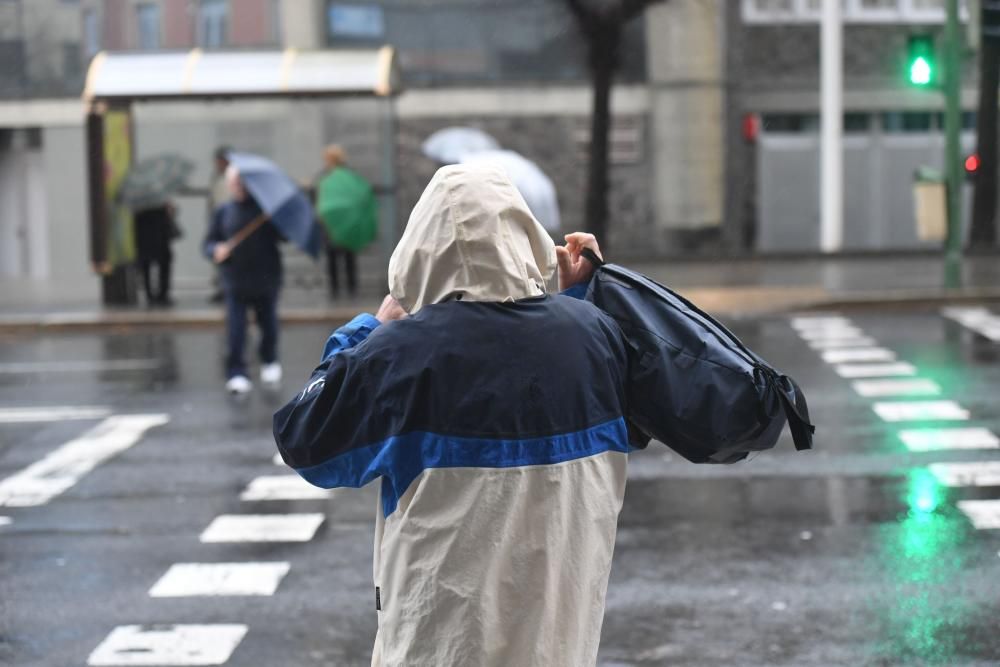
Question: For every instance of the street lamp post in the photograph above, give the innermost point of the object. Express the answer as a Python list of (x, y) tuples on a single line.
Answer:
[(832, 128)]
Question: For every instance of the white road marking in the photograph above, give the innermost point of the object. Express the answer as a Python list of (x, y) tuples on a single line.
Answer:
[(217, 579), (851, 371), (820, 322), (969, 316), (283, 487), (51, 414), (896, 387), (992, 332), (923, 440), (984, 514), (277, 460), (979, 320), (973, 473), (864, 354), (5, 521), (262, 528), (825, 334), (28, 367), (44, 480), (830, 343), (920, 411), (168, 645)]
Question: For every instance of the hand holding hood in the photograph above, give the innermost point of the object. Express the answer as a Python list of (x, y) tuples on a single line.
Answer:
[(471, 236)]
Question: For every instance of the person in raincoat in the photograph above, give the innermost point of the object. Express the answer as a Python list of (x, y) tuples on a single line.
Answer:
[(251, 276), (494, 414), (218, 194), (345, 204)]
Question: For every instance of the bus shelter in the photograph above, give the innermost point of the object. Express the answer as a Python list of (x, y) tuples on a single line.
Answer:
[(117, 81)]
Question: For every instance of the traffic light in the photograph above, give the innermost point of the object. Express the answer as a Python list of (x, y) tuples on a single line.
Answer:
[(920, 60), (972, 163)]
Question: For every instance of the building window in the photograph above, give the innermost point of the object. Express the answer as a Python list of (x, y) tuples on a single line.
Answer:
[(212, 23), (355, 21), (148, 16), (461, 42), (907, 122), (276, 22), (91, 33), (790, 123), (854, 11)]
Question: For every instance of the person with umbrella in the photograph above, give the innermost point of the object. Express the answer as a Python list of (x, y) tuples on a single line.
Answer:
[(146, 190), (218, 195), (245, 246), (345, 203), (155, 230)]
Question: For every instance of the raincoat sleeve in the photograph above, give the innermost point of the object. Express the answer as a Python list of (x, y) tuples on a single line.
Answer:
[(317, 432), (349, 335), (578, 291)]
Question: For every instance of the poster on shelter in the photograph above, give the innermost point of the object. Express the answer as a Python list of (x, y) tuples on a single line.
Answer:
[(117, 160)]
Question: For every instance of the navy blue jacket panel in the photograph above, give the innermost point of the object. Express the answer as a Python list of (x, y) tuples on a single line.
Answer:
[(536, 381)]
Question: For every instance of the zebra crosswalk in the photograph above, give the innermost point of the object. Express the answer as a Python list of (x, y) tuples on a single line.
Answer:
[(51, 476), (213, 644), (916, 404)]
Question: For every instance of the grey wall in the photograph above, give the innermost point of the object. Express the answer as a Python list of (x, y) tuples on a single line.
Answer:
[(557, 144), (67, 204)]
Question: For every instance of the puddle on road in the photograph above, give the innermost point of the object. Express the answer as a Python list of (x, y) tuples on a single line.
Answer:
[(834, 500)]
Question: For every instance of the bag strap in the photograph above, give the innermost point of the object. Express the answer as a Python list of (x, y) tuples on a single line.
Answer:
[(796, 412), (592, 257)]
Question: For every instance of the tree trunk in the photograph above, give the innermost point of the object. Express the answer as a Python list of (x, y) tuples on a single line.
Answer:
[(983, 233), (602, 71)]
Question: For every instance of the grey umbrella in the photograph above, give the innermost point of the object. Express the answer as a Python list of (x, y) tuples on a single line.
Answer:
[(152, 181)]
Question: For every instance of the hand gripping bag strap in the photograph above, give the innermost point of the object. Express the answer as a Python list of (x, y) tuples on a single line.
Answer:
[(796, 412)]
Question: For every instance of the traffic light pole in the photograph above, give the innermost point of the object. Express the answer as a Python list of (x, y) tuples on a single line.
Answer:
[(953, 149)]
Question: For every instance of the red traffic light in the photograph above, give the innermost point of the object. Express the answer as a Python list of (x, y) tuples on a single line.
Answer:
[(972, 163)]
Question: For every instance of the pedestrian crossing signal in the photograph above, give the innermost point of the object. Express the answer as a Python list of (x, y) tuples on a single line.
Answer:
[(921, 64)]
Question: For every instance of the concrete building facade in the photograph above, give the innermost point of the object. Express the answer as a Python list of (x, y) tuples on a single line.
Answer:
[(696, 76)]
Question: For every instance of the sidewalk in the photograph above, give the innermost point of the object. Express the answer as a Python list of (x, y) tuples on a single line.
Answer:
[(737, 288)]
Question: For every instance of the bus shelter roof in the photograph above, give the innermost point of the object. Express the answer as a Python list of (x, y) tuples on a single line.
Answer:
[(201, 74)]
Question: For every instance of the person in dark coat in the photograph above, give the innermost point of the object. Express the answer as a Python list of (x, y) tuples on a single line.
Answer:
[(251, 276), (154, 231)]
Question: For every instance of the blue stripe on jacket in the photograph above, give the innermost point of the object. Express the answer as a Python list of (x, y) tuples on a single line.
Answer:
[(401, 459)]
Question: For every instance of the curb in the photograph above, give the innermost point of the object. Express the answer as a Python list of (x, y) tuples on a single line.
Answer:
[(194, 319), (896, 299), (784, 300)]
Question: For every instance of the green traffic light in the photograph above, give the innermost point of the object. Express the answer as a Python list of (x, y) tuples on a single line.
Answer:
[(920, 59), (921, 71)]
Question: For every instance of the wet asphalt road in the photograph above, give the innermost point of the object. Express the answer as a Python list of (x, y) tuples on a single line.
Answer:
[(854, 554)]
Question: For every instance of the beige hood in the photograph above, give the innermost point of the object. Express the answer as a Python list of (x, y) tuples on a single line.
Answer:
[(471, 236)]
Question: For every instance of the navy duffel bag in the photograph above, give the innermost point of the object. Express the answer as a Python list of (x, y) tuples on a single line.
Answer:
[(693, 385)]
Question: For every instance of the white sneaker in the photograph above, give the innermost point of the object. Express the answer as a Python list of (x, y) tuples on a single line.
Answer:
[(239, 385), (270, 374)]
